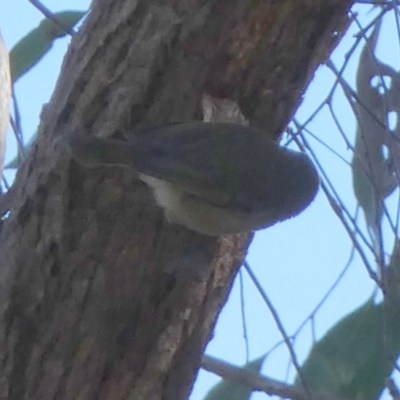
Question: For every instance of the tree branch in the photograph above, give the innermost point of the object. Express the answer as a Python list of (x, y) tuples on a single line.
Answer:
[(258, 382)]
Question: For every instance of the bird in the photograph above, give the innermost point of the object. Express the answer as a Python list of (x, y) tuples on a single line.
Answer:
[(211, 177)]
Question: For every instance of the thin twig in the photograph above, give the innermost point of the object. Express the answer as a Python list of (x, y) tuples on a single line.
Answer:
[(243, 313), (257, 382), (280, 326), (49, 14)]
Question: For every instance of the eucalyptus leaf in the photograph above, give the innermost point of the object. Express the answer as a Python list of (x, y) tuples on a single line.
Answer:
[(356, 356), (31, 48)]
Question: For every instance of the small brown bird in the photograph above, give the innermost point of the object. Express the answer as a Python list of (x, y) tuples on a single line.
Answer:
[(213, 178)]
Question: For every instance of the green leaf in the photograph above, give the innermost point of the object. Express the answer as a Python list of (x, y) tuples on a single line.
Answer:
[(31, 48), (356, 356), (227, 390), (364, 190)]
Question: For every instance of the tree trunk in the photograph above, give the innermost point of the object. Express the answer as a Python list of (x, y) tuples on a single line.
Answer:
[(101, 298)]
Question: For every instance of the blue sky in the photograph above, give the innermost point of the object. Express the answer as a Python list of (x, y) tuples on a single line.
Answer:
[(296, 261)]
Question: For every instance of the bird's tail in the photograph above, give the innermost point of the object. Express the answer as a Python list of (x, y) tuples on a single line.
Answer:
[(92, 151)]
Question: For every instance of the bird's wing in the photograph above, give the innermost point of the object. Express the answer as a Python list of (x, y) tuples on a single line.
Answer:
[(222, 163)]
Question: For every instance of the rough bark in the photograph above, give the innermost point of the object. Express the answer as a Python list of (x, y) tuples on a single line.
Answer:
[(100, 297)]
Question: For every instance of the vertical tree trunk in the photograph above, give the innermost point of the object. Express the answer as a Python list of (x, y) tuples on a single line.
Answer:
[(100, 297)]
